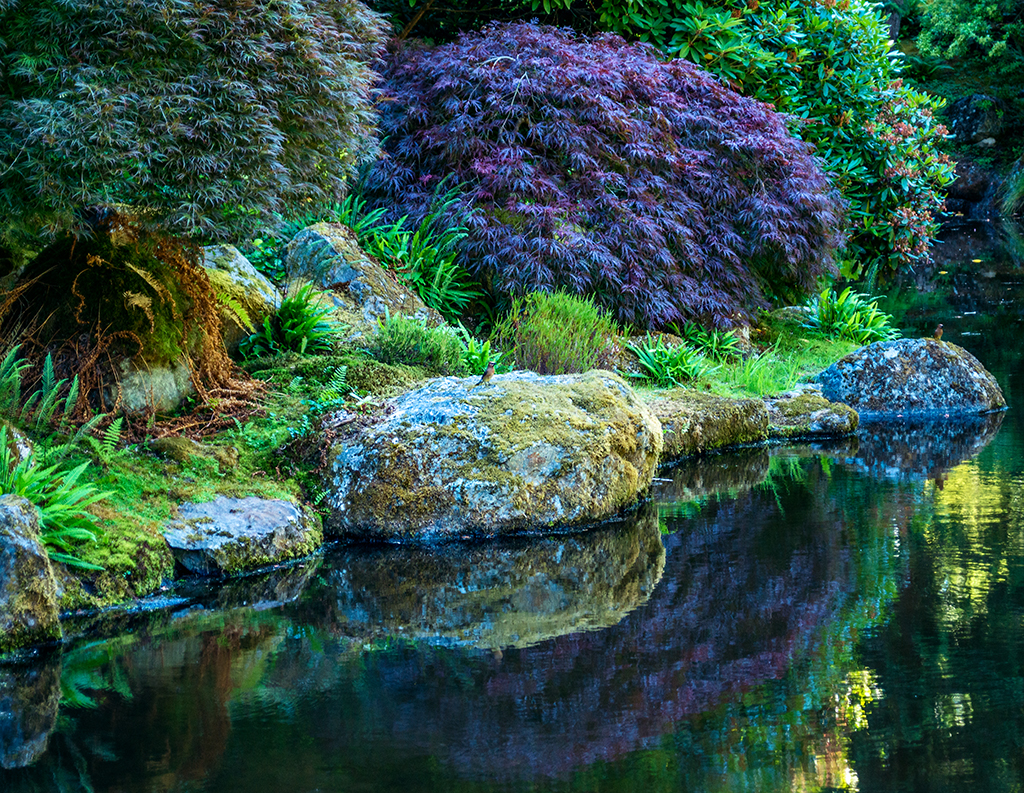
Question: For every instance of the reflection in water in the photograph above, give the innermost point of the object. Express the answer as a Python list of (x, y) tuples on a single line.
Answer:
[(29, 696)]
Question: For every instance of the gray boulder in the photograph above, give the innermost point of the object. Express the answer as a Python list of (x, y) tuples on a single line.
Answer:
[(145, 388), (910, 377), (521, 452), (29, 593), (228, 536), (975, 118), (329, 255), (234, 276)]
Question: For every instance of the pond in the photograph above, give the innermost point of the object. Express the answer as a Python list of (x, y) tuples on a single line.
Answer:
[(844, 616)]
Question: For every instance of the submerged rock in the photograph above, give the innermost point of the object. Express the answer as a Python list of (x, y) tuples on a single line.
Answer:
[(910, 377), (803, 414), (694, 422), (329, 254), (234, 535), (28, 590), (522, 452)]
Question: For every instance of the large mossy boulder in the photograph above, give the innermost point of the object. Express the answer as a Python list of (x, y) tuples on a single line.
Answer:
[(28, 589), (695, 423), (329, 255), (520, 453), (909, 377)]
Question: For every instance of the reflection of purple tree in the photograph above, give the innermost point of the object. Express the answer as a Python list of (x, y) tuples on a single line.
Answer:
[(745, 586)]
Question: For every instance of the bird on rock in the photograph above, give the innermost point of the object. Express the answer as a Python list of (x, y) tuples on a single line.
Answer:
[(938, 332), (486, 377)]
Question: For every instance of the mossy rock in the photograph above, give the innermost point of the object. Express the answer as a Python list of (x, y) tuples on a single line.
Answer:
[(523, 451), (808, 414), (236, 280), (28, 589), (696, 423)]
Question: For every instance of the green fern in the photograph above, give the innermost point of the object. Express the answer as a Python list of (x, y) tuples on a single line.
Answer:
[(336, 388), (10, 381), (236, 309)]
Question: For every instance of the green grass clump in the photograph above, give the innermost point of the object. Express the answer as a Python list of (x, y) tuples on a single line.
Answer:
[(403, 340), (670, 365), (557, 333)]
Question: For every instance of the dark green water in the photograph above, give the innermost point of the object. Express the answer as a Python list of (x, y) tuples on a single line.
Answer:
[(841, 617)]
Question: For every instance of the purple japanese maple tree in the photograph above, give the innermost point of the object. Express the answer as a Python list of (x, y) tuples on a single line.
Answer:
[(590, 165)]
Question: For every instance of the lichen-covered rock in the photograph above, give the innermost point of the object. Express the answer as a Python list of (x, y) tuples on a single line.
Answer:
[(227, 536), (29, 702), (694, 422), (329, 254), (234, 276), (976, 117), (28, 590), (806, 414), (18, 445), (910, 377), (523, 451), (147, 389)]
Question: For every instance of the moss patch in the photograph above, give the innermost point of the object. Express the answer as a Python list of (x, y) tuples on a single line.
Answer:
[(694, 422)]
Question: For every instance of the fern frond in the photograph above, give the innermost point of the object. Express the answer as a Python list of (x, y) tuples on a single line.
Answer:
[(236, 309), (111, 437), (136, 300)]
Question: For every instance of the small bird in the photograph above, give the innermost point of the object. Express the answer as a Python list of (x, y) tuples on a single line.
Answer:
[(486, 377), (938, 332)]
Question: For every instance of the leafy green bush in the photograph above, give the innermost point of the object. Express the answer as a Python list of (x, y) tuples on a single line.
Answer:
[(722, 345), (209, 117), (991, 33), (405, 340), (556, 333), (58, 498), (827, 65), (850, 315), (298, 325), (670, 365)]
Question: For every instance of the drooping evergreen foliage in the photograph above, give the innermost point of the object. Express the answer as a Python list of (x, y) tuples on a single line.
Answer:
[(596, 168), (206, 116)]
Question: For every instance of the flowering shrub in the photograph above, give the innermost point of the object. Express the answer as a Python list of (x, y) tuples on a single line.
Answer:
[(591, 166)]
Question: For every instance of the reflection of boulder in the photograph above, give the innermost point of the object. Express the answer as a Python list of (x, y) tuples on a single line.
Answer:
[(921, 448), (521, 452), (510, 594), (738, 470), (29, 698), (745, 589), (910, 377)]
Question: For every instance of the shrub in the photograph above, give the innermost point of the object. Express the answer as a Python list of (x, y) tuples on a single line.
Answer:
[(207, 117), (670, 365), (405, 340), (850, 315), (299, 325), (589, 165), (991, 33), (556, 333), (829, 66)]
